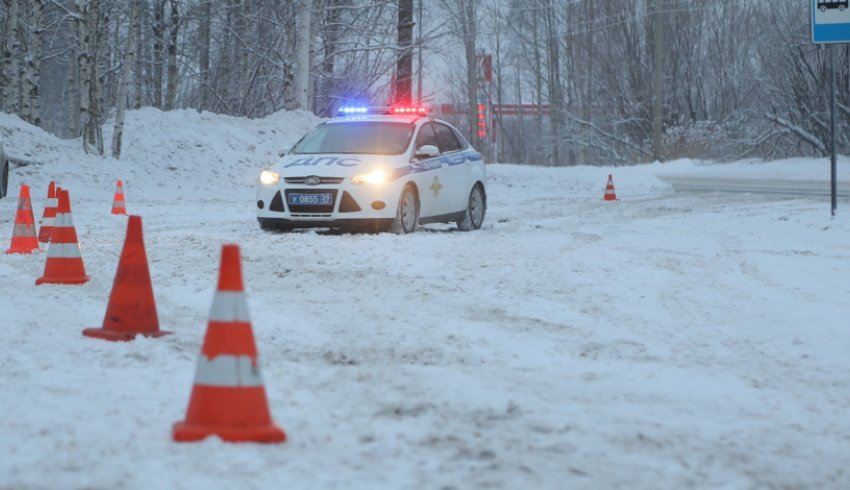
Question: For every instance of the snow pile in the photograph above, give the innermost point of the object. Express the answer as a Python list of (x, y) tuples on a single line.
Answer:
[(179, 154), (792, 169), (546, 183)]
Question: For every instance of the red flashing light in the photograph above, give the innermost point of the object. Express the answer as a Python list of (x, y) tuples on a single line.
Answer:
[(410, 110)]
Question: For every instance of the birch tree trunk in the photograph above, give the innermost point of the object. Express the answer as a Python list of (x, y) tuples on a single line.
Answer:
[(171, 85), (204, 62), (467, 11), (11, 70), (302, 69), (315, 28), (158, 52), (72, 77), (85, 72), (124, 83), (32, 68), (89, 87), (143, 46), (99, 19), (244, 55), (555, 95)]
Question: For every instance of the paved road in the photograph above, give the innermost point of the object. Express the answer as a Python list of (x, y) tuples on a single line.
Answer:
[(781, 187)]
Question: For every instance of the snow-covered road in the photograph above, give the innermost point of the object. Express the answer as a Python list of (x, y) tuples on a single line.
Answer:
[(666, 340)]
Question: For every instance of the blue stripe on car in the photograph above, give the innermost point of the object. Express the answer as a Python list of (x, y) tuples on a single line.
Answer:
[(437, 163)]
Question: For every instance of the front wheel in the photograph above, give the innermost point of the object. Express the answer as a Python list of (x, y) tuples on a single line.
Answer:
[(407, 217), (473, 217)]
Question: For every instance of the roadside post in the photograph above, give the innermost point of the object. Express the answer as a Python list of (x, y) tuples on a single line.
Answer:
[(831, 25)]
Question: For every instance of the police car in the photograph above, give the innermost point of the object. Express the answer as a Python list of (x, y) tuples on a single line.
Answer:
[(383, 169)]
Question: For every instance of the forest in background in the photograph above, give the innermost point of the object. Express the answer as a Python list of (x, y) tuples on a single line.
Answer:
[(607, 81)]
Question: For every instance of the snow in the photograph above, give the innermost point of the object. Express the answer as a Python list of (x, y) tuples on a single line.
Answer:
[(791, 169), (666, 340)]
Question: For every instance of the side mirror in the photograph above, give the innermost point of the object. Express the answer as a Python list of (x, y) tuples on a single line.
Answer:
[(282, 153), (426, 151)]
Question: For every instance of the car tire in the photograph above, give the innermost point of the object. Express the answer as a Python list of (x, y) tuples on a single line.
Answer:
[(4, 178), (407, 216), (823, 9), (476, 208), (841, 8)]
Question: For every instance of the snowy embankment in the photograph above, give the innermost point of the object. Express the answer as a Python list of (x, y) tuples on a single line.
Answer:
[(662, 341)]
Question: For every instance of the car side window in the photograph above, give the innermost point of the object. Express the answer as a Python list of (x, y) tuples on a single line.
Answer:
[(446, 139), (427, 137)]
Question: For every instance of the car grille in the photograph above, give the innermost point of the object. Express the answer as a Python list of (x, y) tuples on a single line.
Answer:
[(311, 208), (322, 180)]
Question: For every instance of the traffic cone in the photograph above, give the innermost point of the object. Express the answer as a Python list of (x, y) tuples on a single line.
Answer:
[(64, 263), (49, 216), (610, 195), (131, 309), (228, 398), (24, 240), (118, 206)]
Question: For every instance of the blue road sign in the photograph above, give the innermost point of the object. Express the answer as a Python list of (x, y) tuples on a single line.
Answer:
[(831, 21)]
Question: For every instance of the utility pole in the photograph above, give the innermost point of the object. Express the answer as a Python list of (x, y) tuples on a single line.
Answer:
[(833, 165), (658, 81), (419, 61), (404, 67)]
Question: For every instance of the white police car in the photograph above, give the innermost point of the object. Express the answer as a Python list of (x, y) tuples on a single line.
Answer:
[(376, 169)]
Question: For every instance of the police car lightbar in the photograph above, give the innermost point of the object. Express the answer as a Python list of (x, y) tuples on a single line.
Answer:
[(348, 111), (392, 110), (409, 110)]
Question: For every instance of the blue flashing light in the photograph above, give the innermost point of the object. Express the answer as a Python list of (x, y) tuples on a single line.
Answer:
[(353, 110)]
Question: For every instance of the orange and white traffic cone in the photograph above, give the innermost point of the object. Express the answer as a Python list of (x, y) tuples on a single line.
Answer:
[(610, 195), (131, 310), (24, 240), (118, 206), (228, 399), (64, 262), (49, 216)]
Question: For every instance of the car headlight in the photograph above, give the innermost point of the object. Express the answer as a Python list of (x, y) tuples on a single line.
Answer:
[(376, 177), (269, 177)]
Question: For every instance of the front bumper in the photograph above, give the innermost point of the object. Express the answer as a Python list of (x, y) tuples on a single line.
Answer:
[(351, 206), (352, 224)]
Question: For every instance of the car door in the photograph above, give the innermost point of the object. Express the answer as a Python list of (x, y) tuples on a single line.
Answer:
[(455, 169), (427, 174)]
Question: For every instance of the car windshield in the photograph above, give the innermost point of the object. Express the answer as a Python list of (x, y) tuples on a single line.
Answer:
[(370, 137)]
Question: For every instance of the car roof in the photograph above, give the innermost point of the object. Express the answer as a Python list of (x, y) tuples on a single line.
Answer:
[(378, 118)]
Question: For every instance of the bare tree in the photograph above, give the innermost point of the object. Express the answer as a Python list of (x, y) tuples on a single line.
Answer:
[(124, 83), (302, 72), (11, 53), (171, 84)]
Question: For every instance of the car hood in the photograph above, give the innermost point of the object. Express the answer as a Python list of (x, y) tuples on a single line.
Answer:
[(336, 165)]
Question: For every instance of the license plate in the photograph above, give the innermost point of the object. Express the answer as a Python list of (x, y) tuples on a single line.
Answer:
[(325, 198)]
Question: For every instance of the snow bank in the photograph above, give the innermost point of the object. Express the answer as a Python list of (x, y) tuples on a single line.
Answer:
[(178, 154), (803, 169), (580, 182)]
